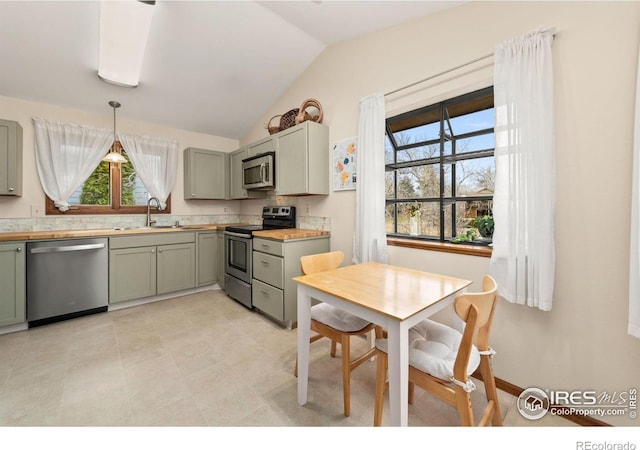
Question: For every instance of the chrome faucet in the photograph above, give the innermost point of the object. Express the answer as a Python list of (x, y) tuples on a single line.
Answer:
[(149, 221)]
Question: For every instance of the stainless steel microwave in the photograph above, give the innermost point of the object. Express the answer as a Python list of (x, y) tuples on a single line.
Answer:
[(258, 172)]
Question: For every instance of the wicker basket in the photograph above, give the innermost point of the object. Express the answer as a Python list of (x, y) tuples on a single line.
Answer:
[(288, 119), (303, 115), (270, 128)]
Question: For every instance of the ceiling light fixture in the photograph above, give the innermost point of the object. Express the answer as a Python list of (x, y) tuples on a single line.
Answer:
[(124, 29), (113, 156)]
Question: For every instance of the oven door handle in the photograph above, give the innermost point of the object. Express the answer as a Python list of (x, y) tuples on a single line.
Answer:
[(238, 235)]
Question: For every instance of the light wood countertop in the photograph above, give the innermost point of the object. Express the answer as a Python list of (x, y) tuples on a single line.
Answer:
[(289, 233), (61, 234)]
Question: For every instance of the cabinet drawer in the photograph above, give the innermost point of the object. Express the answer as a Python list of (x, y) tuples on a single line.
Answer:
[(268, 299), (268, 268), (267, 246), (147, 239)]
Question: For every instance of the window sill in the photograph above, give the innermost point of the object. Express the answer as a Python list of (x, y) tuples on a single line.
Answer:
[(472, 250)]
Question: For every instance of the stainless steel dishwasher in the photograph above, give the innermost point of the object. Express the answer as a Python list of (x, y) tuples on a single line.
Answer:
[(66, 278)]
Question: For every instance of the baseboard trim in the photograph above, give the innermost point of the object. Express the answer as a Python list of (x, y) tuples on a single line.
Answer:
[(514, 390)]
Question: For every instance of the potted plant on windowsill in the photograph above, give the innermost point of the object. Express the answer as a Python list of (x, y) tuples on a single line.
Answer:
[(485, 226), (414, 223)]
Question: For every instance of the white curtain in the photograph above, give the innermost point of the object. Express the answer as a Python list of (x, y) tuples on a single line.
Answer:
[(634, 239), (370, 239), (66, 155), (523, 259), (155, 161)]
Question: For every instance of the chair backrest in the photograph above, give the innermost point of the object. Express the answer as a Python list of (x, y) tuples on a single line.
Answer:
[(476, 310), (320, 262)]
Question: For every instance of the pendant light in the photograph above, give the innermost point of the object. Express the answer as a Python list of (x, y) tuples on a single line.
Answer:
[(113, 156)]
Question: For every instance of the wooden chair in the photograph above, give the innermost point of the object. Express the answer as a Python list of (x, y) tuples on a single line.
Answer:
[(441, 359), (335, 324)]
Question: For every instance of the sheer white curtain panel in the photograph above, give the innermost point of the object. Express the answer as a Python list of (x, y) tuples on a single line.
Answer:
[(155, 161), (66, 155), (523, 257), (634, 238), (370, 239)]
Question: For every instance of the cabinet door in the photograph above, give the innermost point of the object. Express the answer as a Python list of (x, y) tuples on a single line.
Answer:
[(265, 145), (205, 174), (132, 273), (176, 267), (12, 283), (207, 258), (235, 174), (10, 158), (293, 162)]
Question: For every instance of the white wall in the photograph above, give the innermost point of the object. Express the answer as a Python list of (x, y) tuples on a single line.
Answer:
[(22, 111), (582, 343)]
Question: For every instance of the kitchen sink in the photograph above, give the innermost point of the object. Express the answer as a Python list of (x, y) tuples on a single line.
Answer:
[(147, 228)]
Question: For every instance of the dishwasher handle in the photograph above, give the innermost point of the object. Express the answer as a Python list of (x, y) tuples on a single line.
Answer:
[(66, 248)]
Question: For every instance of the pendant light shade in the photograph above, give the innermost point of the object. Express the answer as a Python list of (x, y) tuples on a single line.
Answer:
[(113, 156)]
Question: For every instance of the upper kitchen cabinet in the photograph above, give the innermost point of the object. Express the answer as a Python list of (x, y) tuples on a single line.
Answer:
[(236, 192), (10, 158), (265, 145), (205, 174), (303, 160)]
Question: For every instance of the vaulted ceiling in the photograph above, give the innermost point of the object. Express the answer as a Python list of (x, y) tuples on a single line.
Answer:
[(211, 66)]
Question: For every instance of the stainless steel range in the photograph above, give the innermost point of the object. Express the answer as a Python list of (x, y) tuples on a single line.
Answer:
[(238, 252)]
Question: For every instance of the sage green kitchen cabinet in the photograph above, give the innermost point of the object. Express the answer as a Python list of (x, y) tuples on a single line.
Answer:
[(12, 283), (264, 145), (206, 174), (176, 267), (10, 158), (207, 258), (151, 264), (236, 192), (221, 258), (302, 165), (275, 263), (132, 273)]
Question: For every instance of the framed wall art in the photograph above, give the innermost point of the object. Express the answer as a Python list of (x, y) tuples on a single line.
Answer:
[(344, 164)]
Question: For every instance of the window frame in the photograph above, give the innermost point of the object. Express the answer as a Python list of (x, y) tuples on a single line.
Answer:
[(115, 206), (442, 159)]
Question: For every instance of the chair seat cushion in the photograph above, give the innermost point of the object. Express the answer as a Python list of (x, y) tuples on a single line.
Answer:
[(433, 348), (337, 318)]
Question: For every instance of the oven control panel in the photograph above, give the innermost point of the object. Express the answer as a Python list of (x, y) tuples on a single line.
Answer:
[(278, 211)]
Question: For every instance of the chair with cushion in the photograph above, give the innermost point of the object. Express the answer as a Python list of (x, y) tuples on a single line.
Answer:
[(335, 324), (441, 359)]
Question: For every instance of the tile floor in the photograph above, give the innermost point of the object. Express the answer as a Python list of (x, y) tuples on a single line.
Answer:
[(197, 360)]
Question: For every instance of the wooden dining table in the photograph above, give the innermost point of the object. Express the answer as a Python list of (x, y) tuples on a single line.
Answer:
[(393, 297)]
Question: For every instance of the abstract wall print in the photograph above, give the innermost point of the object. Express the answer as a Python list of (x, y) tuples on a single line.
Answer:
[(344, 164)]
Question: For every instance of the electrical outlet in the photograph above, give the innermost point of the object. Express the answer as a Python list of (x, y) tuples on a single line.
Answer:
[(224, 209), (36, 211), (308, 208)]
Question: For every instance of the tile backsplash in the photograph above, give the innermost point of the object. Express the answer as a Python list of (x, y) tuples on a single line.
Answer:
[(138, 220)]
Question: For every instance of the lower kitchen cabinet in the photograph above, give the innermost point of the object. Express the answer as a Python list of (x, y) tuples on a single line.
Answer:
[(176, 267), (207, 258), (147, 265), (275, 264), (12, 283)]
